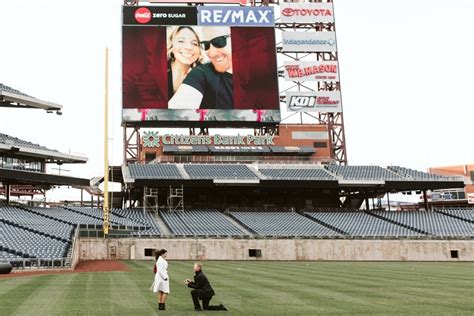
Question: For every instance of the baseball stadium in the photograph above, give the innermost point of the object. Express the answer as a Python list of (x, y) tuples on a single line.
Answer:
[(234, 157)]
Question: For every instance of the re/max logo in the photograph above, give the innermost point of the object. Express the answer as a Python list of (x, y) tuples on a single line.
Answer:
[(247, 16)]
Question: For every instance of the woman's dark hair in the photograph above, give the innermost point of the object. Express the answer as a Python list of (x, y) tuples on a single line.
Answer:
[(160, 253)]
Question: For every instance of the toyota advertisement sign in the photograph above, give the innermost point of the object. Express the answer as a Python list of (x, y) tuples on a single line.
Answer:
[(309, 12), (199, 66)]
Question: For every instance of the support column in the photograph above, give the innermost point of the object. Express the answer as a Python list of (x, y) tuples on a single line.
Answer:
[(367, 206), (425, 200), (8, 193)]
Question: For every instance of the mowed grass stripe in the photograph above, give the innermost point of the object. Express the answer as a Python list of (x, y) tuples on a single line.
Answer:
[(307, 289), (7, 285), (74, 296), (344, 283), (263, 288), (376, 276), (132, 298), (49, 297), (18, 295)]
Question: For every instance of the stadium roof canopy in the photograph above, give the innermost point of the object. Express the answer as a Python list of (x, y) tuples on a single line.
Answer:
[(19, 147), (10, 97), (20, 177)]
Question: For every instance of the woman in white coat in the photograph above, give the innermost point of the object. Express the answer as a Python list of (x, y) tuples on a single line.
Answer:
[(161, 284)]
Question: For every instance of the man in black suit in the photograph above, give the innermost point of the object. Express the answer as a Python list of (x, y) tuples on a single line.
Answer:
[(202, 290)]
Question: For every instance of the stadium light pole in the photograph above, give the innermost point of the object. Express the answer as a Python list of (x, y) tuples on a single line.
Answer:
[(106, 146)]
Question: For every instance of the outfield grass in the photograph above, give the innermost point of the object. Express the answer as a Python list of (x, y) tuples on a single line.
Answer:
[(253, 288)]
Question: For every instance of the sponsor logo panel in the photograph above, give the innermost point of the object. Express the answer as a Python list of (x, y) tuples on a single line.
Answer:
[(309, 42), (241, 2), (306, 13), (236, 16), (311, 71), (159, 15), (317, 101)]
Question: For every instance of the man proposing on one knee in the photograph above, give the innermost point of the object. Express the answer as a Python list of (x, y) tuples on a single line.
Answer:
[(202, 290)]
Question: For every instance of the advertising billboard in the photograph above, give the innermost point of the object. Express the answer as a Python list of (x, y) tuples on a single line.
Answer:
[(306, 12), (212, 64), (314, 101), (309, 42), (300, 71), (241, 2)]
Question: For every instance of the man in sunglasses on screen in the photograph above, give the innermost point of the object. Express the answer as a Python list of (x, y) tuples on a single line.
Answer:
[(209, 86)]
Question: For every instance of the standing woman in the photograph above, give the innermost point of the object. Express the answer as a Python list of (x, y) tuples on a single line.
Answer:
[(161, 284)]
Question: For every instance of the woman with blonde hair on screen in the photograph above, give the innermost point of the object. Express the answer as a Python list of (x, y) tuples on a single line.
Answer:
[(184, 53)]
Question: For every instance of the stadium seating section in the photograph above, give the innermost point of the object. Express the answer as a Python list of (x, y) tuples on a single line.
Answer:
[(363, 172), (281, 224), (296, 173), (44, 235), (219, 171), (14, 141), (155, 171), (414, 174), (262, 171)]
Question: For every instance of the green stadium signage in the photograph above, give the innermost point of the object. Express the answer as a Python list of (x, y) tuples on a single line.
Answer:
[(152, 139)]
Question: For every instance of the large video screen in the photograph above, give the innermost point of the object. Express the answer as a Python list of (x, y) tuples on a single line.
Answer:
[(199, 64)]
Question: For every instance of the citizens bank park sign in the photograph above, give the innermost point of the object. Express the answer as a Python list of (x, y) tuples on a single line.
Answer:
[(306, 12), (299, 71), (153, 139)]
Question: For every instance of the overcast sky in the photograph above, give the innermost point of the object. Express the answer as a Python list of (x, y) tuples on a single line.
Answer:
[(406, 76)]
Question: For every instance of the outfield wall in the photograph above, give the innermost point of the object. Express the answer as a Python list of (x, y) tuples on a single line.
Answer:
[(279, 249)]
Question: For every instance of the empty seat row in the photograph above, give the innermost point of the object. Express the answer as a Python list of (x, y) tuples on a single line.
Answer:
[(35, 221), (281, 224), (432, 223), (219, 171), (363, 172), (415, 174), (296, 174), (200, 223), (154, 171), (360, 224), (31, 243)]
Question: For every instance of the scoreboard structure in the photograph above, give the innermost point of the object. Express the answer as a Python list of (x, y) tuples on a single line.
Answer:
[(230, 64)]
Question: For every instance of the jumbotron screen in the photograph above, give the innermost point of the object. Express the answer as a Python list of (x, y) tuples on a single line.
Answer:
[(201, 65)]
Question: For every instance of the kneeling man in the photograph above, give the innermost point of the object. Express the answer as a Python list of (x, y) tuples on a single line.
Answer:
[(202, 290)]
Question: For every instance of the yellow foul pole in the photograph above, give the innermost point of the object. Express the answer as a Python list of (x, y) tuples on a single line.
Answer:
[(106, 146)]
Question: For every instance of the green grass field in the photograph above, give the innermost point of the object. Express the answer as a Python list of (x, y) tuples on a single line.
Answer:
[(253, 288)]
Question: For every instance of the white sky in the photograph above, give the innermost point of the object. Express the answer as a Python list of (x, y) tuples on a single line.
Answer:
[(406, 76)]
